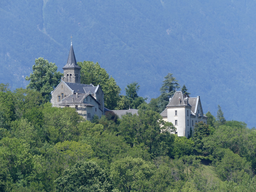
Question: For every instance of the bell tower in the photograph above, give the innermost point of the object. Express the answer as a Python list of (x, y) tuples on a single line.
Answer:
[(71, 69)]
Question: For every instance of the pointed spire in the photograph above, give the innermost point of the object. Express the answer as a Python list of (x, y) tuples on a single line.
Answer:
[(71, 63)]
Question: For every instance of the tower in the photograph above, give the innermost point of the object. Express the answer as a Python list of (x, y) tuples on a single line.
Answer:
[(71, 69)]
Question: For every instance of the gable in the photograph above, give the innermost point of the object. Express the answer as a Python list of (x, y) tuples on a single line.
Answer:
[(62, 87)]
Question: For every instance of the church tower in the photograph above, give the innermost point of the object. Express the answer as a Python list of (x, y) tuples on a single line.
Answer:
[(71, 69)]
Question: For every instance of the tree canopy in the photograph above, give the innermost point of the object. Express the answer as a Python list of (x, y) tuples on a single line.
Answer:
[(44, 77), (92, 73)]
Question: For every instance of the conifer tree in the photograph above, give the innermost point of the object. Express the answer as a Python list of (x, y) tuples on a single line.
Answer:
[(220, 117)]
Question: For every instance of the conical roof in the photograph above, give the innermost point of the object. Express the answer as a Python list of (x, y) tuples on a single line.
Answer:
[(71, 63)]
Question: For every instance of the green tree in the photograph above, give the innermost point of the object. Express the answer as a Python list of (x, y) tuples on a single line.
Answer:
[(220, 117), (131, 99), (60, 124), (83, 176), (170, 85), (4, 87), (26, 99), (210, 119), (147, 128), (201, 131), (93, 73), (182, 146), (184, 90), (232, 167), (44, 77), (7, 108), (131, 174)]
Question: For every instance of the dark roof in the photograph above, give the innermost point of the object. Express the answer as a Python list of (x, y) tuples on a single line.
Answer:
[(81, 88), (164, 113), (77, 99), (120, 113), (192, 101), (71, 63), (178, 99)]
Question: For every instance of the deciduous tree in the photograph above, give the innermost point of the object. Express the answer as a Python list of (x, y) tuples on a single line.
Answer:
[(44, 77)]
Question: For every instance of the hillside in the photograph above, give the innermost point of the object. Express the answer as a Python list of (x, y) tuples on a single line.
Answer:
[(208, 46)]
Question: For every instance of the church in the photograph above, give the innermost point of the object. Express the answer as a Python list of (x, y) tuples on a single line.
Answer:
[(88, 100), (184, 112)]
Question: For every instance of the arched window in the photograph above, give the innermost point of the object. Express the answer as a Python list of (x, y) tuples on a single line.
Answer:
[(58, 98), (62, 95)]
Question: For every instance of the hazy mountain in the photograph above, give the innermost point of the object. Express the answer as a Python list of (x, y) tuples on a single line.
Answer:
[(208, 45)]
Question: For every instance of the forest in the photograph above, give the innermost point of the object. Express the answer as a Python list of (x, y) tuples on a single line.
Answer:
[(43, 148)]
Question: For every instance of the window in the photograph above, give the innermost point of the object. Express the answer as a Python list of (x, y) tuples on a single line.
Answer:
[(175, 112), (61, 86), (58, 98), (176, 122), (76, 106), (187, 113), (89, 115), (192, 123), (188, 122), (62, 95)]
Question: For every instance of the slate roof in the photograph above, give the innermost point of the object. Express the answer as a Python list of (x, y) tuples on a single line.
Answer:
[(192, 101), (178, 99), (71, 63), (120, 113), (81, 88), (77, 99), (164, 113)]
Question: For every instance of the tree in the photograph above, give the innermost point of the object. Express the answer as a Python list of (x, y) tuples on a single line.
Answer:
[(4, 87), (210, 119), (220, 117), (148, 129), (83, 176), (170, 85), (184, 90), (201, 131), (93, 73), (44, 77), (131, 99), (131, 174)]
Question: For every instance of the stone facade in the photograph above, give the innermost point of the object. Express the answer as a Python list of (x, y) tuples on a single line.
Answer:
[(88, 100)]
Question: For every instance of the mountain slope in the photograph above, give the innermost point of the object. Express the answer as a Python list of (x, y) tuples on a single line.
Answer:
[(208, 46)]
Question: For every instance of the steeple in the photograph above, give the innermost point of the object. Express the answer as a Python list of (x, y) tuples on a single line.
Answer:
[(71, 69), (71, 63)]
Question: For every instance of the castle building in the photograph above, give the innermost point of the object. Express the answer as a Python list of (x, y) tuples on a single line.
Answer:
[(184, 112), (87, 99)]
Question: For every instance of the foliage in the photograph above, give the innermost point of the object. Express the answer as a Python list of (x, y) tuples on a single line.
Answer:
[(170, 85), (43, 148), (201, 131), (146, 128), (83, 176), (131, 174), (210, 119), (184, 90), (93, 73), (44, 77), (220, 117)]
